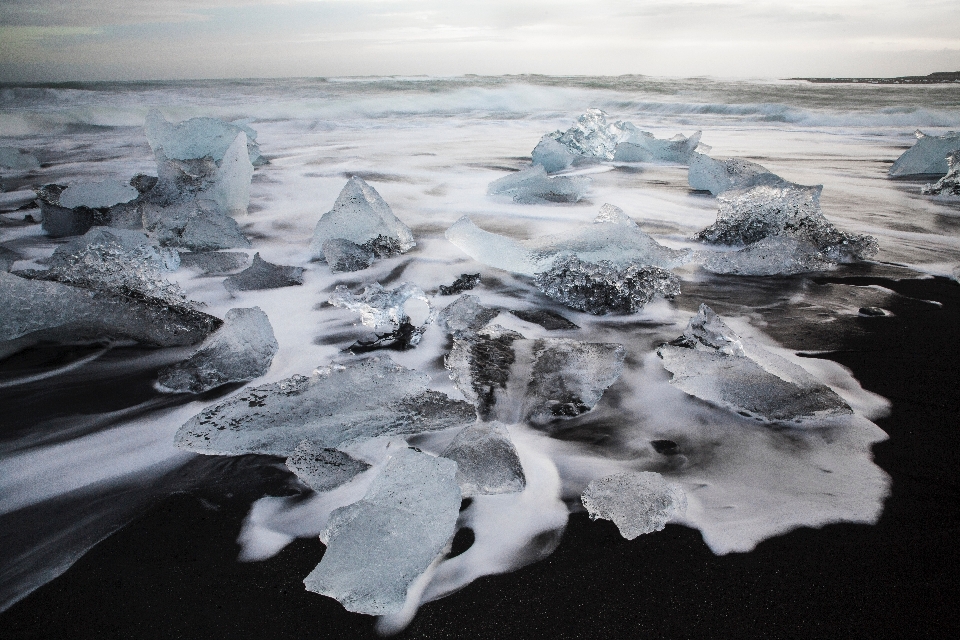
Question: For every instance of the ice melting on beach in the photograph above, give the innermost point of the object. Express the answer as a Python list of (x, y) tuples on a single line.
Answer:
[(264, 275), (533, 185), (465, 314), (637, 502), (97, 195), (242, 349), (774, 255), (717, 176), (403, 312), (713, 363), (323, 469), (948, 185), (378, 547), (928, 156), (487, 460), (14, 159)]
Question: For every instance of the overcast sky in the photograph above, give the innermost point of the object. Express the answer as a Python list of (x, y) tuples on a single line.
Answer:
[(43, 40)]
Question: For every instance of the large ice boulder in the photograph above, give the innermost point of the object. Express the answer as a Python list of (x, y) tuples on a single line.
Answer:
[(361, 216), (487, 461), (642, 146), (928, 156), (637, 502), (533, 185), (199, 138), (378, 547), (717, 176), (948, 185)]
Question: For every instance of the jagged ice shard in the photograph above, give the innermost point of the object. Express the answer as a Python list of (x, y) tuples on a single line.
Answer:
[(711, 362), (928, 156), (403, 313), (324, 469), (199, 137), (637, 502), (378, 547), (948, 185), (487, 461), (774, 255), (717, 176), (361, 398), (264, 275), (533, 185)]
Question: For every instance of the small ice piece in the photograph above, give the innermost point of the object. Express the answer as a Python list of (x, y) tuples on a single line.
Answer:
[(551, 155), (7, 258), (193, 225), (487, 461), (97, 195), (532, 185), (465, 282), (642, 146), (604, 287), (264, 275), (61, 222), (465, 314), (748, 215), (928, 156), (368, 397), (378, 547), (545, 318), (361, 216), (343, 255), (717, 176), (14, 159), (134, 244), (774, 255), (592, 136), (143, 182), (199, 138), (214, 263), (323, 469), (241, 350), (948, 185), (711, 362), (637, 502), (384, 309)]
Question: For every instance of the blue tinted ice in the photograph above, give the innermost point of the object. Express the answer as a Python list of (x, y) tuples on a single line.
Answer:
[(198, 138), (14, 159), (533, 185), (717, 176), (96, 195), (927, 156), (487, 461)]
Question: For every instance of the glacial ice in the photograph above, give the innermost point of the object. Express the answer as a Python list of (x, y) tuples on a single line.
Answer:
[(642, 146), (637, 502), (134, 245), (948, 185), (97, 195), (381, 308), (511, 378), (14, 159), (487, 461), (361, 216), (552, 155), (928, 156), (773, 255), (711, 362), (264, 275), (368, 397), (214, 263), (748, 215), (465, 282), (532, 185), (717, 176), (323, 469), (545, 318), (465, 314), (199, 138), (343, 255), (242, 349), (7, 258), (378, 547), (193, 225), (60, 221)]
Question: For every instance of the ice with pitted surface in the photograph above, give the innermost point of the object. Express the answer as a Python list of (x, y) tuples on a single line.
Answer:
[(637, 502), (533, 185), (774, 255), (487, 461), (377, 547), (381, 308), (368, 397), (324, 469), (928, 156), (133, 243), (717, 176), (343, 255), (242, 349), (948, 185), (214, 263)]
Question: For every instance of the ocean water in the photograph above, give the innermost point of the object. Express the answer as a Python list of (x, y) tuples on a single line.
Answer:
[(88, 442)]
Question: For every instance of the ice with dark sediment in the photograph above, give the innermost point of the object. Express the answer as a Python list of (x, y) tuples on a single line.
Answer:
[(344, 255), (264, 275), (928, 156), (193, 225), (948, 185), (323, 469), (532, 185), (8, 257), (73, 210), (547, 319), (214, 263), (717, 176), (638, 502), (465, 282), (368, 397), (487, 461), (773, 255), (711, 362), (13, 159), (748, 215), (403, 313), (465, 314), (134, 244), (612, 237), (378, 547), (241, 350), (361, 216), (511, 378)]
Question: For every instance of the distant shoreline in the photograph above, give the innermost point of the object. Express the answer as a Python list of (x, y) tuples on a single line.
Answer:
[(940, 77)]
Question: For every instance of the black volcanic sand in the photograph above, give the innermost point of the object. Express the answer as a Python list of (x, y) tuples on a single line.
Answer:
[(173, 573)]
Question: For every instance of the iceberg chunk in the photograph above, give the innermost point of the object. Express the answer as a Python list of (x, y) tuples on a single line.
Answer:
[(487, 461), (324, 469), (199, 138), (928, 156), (132, 244), (533, 185), (403, 313), (642, 146), (377, 547), (362, 398), (948, 185), (343, 255), (774, 255), (466, 314), (552, 155), (242, 349), (637, 502), (193, 225), (717, 176), (14, 159), (97, 195), (361, 216), (711, 362), (77, 214), (465, 282), (264, 275), (214, 263)]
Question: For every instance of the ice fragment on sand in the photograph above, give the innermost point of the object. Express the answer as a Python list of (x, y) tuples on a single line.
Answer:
[(487, 461), (637, 502), (361, 216), (214, 263), (948, 185), (717, 176), (774, 255), (242, 349), (927, 156), (711, 362), (552, 155), (545, 318), (14, 159), (134, 244), (642, 146), (199, 138), (264, 275), (465, 314), (70, 211), (193, 225), (377, 547), (604, 287), (403, 313), (361, 398), (7, 258), (97, 195), (343, 255), (533, 185), (748, 215), (465, 282), (323, 469)]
